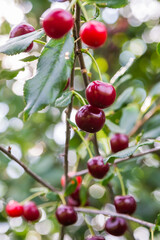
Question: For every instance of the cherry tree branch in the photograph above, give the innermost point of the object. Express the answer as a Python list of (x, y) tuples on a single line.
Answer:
[(114, 214), (29, 171), (120, 160)]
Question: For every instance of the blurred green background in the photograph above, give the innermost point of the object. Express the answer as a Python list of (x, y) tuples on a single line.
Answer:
[(133, 32)]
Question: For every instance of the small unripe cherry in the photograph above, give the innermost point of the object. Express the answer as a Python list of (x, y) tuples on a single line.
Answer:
[(14, 209), (119, 142), (97, 168), (30, 211), (57, 23), (100, 94), (66, 215), (116, 226), (93, 33), (125, 204), (21, 29), (90, 119)]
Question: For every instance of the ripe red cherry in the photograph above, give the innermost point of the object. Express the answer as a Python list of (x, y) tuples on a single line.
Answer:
[(14, 209), (125, 204), (72, 202), (100, 94), (66, 215), (93, 34), (57, 23), (31, 212), (97, 168), (90, 119), (22, 29), (95, 238), (119, 142), (78, 178), (116, 226)]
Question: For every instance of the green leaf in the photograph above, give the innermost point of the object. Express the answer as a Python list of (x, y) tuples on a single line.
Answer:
[(157, 222), (71, 187), (54, 67), (51, 196), (111, 3), (9, 75), (83, 195), (107, 179), (123, 98), (64, 100), (158, 48), (113, 127), (29, 59), (19, 44), (126, 152)]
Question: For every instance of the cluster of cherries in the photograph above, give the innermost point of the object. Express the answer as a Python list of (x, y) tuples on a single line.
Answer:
[(28, 211)]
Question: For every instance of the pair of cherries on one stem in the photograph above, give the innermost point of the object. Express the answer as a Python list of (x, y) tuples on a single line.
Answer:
[(29, 210)]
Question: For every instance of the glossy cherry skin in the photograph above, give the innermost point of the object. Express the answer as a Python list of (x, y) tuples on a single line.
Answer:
[(93, 33), (97, 168), (95, 238), (116, 226), (22, 29), (14, 209), (119, 142), (125, 204), (90, 119), (72, 202), (57, 23), (31, 212), (66, 215), (78, 178), (100, 94)]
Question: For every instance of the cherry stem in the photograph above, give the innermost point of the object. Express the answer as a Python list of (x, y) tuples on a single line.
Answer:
[(83, 10), (84, 141), (94, 60), (152, 233), (115, 214), (88, 225), (37, 194), (120, 180), (39, 41), (79, 97)]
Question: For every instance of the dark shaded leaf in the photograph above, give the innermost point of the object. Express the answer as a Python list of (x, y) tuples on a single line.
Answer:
[(51, 196), (9, 75), (29, 59), (71, 187), (107, 179), (83, 195)]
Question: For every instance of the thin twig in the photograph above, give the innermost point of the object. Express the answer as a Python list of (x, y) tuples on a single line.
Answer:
[(114, 214), (120, 160), (146, 117), (61, 235), (95, 142), (32, 174)]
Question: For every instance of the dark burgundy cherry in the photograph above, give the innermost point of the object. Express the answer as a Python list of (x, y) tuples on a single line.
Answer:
[(22, 29), (90, 119), (76, 194), (125, 204), (97, 168), (95, 238), (57, 23), (14, 209), (100, 94), (119, 142), (116, 226), (30, 211), (66, 215), (93, 34), (72, 202)]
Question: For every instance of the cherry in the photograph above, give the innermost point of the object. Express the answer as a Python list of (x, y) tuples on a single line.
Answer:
[(116, 226), (66, 215), (14, 209), (72, 202), (31, 212), (78, 178), (93, 33), (76, 194), (95, 238), (119, 142), (67, 84), (22, 29), (125, 204), (90, 119), (57, 23), (97, 168), (100, 94)]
